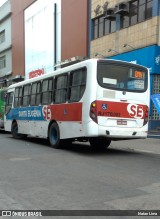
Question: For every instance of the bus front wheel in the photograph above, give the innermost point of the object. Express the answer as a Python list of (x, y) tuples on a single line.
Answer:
[(99, 143), (54, 135)]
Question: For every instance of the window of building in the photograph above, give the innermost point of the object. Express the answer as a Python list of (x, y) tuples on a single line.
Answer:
[(2, 36), (18, 97), (137, 11), (113, 26), (106, 26), (109, 26), (2, 62), (125, 21), (26, 95), (141, 10), (133, 13), (47, 86), (35, 94), (95, 25), (60, 94), (77, 84), (103, 27), (149, 9)]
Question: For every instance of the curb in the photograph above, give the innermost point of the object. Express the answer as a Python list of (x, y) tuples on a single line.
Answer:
[(153, 136)]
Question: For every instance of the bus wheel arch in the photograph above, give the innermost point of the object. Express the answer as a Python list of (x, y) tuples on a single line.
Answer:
[(54, 134), (14, 131)]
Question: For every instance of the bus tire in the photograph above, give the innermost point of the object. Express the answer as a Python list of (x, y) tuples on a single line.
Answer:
[(14, 131), (54, 135), (99, 143)]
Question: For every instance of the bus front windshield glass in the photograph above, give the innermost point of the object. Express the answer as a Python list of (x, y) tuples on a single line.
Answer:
[(121, 76)]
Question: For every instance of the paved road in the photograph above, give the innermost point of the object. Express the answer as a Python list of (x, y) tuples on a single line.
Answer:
[(35, 176), (149, 145)]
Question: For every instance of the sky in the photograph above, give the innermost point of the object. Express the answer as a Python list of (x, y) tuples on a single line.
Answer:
[(2, 2)]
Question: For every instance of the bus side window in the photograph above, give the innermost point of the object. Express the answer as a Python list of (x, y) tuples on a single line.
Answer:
[(38, 94), (35, 94), (77, 84), (18, 97), (26, 95), (47, 86), (61, 89), (50, 89)]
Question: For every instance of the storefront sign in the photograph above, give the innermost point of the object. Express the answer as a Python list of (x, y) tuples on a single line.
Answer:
[(148, 57), (36, 73), (156, 100)]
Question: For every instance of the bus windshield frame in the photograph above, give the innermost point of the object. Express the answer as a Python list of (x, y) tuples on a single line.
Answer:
[(122, 76)]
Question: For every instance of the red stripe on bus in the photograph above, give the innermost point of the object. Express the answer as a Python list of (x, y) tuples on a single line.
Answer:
[(120, 109), (66, 112)]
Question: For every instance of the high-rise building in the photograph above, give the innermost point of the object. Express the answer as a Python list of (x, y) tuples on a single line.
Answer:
[(5, 43), (46, 32), (37, 34)]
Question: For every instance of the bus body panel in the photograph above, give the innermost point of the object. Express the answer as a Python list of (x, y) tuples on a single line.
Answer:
[(122, 133), (34, 121), (111, 113), (40, 129), (1, 123)]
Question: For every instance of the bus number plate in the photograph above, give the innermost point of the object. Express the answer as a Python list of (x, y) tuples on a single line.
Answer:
[(121, 122)]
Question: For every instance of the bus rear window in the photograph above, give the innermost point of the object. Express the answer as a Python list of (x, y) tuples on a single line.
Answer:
[(122, 76)]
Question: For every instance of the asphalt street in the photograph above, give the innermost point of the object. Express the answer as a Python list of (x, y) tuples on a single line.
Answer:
[(125, 176)]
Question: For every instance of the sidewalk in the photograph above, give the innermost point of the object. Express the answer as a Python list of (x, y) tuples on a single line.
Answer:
[(153, 134)]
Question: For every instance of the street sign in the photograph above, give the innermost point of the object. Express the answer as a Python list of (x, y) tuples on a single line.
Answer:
[(156, 100)]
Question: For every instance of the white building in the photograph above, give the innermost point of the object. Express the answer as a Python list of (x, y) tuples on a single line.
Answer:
[(5, 43)]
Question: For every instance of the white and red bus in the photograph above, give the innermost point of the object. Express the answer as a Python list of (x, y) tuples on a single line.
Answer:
[(95, 100)]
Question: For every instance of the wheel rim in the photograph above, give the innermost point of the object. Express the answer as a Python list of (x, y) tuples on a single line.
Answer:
[(16, 129), (53, 136)]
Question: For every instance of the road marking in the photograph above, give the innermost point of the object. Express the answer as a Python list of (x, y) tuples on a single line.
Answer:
[(144, 151), (19, 158)]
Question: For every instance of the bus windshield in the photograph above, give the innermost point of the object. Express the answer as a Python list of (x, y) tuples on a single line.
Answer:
[(121, 76)]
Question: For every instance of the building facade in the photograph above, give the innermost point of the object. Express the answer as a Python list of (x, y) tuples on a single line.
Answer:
[(36, 34), (5, 44), (46, 32), (18, 39), (129, 31), (75, 37)]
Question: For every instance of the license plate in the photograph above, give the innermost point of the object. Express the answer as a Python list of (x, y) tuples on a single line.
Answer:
[(121, 122)]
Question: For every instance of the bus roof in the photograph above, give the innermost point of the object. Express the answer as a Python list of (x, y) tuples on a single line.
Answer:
[(69, 68)]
